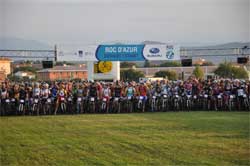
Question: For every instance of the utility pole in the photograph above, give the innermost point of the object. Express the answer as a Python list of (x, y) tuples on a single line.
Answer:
[(55, 52)]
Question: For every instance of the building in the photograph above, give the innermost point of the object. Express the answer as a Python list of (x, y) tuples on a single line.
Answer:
[(22, 74), (217, 54), (2, 76), (23, 64), (187, 71), (63, 73), (5, 66)]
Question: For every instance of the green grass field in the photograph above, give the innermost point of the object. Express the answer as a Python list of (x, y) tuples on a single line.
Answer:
[(182, 138)]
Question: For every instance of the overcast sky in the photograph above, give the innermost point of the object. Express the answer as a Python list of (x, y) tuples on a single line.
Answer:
[(195, 22)]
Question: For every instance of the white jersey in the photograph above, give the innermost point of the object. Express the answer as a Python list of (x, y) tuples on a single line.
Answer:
[(45, 93), (36, 92), (240, 92), (106, 92), (3, 94), (165, 90)]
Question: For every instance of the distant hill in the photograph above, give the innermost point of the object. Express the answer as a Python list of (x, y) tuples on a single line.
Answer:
[(17, 44), (133, 42), (21, 44), (221, 46), (152, 42)]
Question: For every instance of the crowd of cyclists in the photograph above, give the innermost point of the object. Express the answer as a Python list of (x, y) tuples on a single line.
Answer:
[(77, 97)]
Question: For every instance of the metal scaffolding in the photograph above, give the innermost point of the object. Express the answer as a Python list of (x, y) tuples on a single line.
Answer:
[(31, 55), (184, 53), (202, 52)]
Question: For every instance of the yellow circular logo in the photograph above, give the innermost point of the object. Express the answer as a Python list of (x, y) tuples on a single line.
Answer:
[(105, 66)]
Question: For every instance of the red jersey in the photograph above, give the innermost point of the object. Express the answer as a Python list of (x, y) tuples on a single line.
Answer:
[(142, 90)]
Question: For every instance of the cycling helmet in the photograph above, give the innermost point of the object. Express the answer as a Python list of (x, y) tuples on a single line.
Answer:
[(37, 84), (46, 85)]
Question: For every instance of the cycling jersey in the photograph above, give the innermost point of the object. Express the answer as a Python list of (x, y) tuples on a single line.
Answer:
[(74, 90), (16, 93), (69, 87), (30, 93), (158, 89), (3, 93), (227, 89), (45, 93), (36, 92), (181, 90), (79, 92), (195, 90), (240, 92), (142, 90), (165, 90), (61, 94), (117, 91), (106, 92), (188, 86), (93, 91), (11, 93), (176, 90), (85, 90), (216, 91), (130, 92), (22, 94), (54, 92)]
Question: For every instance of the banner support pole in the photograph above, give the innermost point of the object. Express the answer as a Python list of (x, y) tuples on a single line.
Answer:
[(90, 67)]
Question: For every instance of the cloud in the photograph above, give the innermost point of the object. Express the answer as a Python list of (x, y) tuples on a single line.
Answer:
[(89, 21)]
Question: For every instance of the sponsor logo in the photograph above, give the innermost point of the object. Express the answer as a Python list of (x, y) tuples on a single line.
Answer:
[(80, 53), (154, 50), (170, 54)]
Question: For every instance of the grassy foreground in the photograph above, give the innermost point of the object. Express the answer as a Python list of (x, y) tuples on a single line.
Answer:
[(184, 138)]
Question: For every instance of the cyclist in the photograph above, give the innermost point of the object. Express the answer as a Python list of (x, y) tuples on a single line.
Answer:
[(15, 98), (157, 90), (117, 90), (22, 95), (188, 87), (143, 91), (45, 93), (53, 92), (29, 98), (165, 88), (240, 93), (79, 91), (79, 94), (4, 97), (129, 94), (93, 96), (61, 96), (99, 89), (36, 91), (196, 89), (106, 94), (215, 94), (92, 91), (130, 91), (248, 89)]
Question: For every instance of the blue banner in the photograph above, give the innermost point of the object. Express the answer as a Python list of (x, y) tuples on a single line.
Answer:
[(120, 52)]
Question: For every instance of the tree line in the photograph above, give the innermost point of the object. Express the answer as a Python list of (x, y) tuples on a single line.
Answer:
[(224, 70)]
